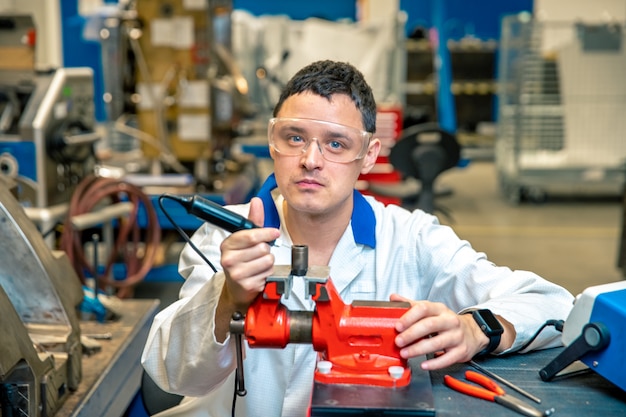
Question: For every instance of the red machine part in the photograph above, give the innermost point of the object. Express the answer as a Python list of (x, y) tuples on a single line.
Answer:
[(268, 320), (357, 339)]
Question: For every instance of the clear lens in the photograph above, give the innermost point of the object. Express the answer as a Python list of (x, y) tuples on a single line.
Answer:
[(336, 142)]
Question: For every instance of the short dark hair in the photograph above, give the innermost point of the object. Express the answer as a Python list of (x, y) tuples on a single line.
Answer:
[(326, 78)]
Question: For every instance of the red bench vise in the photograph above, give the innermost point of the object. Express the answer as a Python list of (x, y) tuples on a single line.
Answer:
[(356, 342)]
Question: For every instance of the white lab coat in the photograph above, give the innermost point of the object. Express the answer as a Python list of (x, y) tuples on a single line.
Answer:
[(414, 256)]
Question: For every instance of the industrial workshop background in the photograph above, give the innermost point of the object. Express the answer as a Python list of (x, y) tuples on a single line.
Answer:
[(518, 106)]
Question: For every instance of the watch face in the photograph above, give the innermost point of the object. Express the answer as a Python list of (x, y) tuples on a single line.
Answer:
[(491, 323)]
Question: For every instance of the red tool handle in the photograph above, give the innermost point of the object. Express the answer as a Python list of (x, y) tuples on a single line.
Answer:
[(484, 381), (468, 389)]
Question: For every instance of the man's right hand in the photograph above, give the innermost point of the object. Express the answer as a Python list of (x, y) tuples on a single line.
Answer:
[(247, 261)]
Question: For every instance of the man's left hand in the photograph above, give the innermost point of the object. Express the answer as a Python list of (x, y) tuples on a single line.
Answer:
[(430, 327)]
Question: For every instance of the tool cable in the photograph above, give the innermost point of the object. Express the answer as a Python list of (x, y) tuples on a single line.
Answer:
[(204, 258), (557, 324), (181, 232)]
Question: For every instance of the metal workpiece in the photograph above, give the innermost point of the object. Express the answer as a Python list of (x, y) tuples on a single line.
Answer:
[(299, 260), (40, 356)]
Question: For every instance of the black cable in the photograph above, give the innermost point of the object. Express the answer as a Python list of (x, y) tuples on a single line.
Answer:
[(195, 248), (232, 410), (182, 232), (47, 233), (558, 325), (204, 258)]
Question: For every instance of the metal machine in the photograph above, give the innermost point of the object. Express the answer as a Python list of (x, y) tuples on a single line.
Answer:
[(40, 353), (561, 94), (595, 335), (359, 367), (190, 86), (46, 119), (47, 133)]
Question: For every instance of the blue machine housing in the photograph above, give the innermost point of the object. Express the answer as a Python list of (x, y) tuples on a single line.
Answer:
[(610, 309), (24, 154)]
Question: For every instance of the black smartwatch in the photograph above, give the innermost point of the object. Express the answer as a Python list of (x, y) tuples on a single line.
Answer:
[(490, 326)]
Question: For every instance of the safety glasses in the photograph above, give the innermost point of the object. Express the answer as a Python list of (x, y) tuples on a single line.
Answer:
[(337, 143)]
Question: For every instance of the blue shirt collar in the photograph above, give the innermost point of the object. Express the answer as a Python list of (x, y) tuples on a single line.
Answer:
[(363, 218)]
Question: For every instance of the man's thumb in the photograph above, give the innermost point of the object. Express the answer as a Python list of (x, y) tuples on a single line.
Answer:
[(256, 214)]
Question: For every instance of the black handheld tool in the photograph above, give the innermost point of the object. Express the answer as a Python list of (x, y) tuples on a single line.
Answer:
[(213, 213)]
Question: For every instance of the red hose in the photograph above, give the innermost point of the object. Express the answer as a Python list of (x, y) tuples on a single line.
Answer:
[(89, 194)]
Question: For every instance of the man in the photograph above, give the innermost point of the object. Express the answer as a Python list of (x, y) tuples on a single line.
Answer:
[(321, 140)]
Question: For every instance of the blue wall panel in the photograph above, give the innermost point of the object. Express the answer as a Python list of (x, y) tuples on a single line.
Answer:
[(299, 10), (480, 18)]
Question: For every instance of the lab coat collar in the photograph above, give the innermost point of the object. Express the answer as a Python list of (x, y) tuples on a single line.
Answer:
[(363, 219)]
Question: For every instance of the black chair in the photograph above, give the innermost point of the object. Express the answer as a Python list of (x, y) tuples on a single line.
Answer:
[(421, 154), (154, 398)]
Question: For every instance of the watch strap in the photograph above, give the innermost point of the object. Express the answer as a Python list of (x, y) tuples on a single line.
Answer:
[(493, 331), (494, 341)]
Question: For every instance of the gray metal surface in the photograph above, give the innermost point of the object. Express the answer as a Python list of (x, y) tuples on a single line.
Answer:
[(585, 394), (112, 376), (40, 293)]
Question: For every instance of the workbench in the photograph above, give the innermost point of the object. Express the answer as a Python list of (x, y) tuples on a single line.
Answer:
[(112, 376), (586, 394)]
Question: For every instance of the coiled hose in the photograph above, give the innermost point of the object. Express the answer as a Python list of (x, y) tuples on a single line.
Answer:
[(130, 237)]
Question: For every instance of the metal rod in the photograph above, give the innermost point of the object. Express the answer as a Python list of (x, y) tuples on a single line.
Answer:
[(86, 220), (505, 382)]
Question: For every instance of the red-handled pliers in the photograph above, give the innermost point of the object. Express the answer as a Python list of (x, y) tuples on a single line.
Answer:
[(492, 392)]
